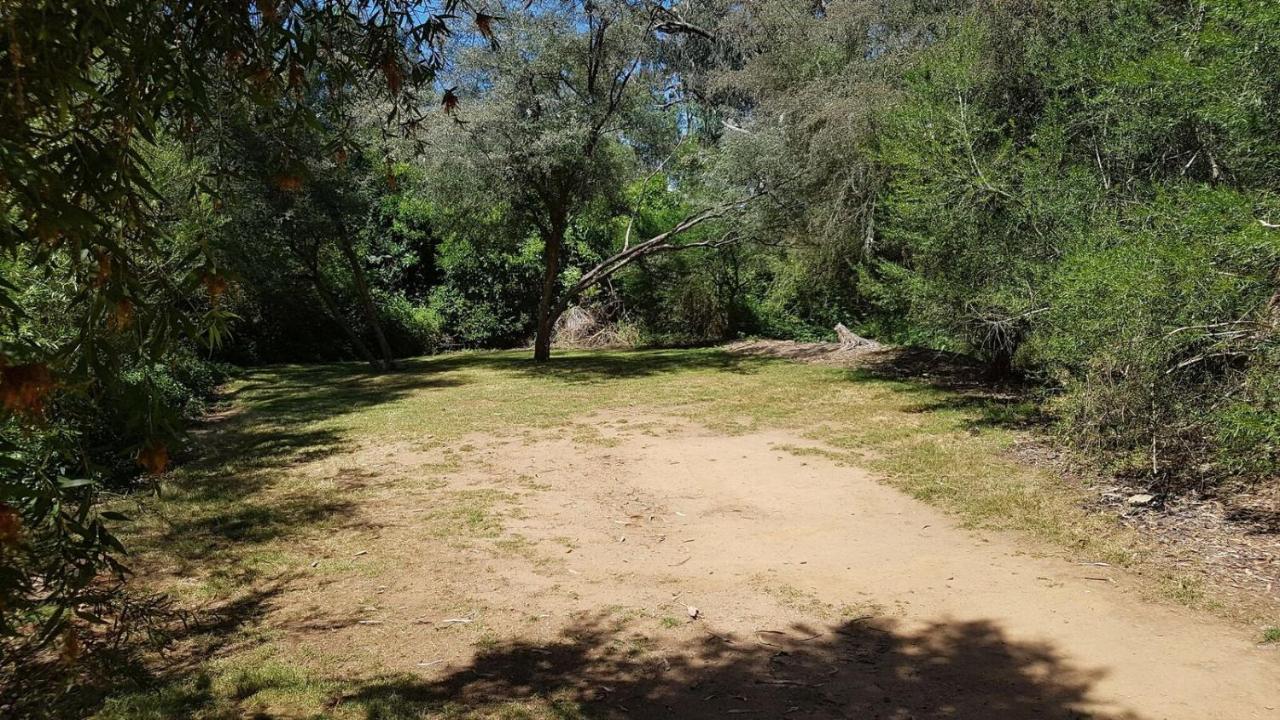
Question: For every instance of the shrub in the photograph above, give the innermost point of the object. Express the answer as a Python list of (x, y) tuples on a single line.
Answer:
[(1160, 323)]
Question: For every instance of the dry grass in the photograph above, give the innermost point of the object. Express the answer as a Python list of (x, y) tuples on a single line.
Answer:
[(275, 492)]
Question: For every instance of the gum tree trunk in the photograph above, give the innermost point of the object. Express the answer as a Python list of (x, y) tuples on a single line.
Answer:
[(548, 309), (365, 297), (331, 305)]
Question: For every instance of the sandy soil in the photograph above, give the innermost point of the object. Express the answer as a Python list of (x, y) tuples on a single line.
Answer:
[(1231, 540), (655, 570)]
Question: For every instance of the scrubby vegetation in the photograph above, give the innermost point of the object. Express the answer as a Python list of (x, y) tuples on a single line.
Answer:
[(1081, 194)]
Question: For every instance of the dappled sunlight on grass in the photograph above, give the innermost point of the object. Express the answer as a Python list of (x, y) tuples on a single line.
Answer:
[(284, 482), (964, 670), (932, 443)]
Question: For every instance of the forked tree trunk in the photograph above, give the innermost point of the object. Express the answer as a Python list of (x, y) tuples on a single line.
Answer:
[(365, 297), (331, 307), (548, 309)]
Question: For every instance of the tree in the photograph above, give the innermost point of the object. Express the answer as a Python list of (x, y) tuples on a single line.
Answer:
[(566, 87), (311, 209), (566, 113), (92, 277)]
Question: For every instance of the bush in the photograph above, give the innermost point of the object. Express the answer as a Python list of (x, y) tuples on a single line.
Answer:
[(1160, 324), (411, 329)]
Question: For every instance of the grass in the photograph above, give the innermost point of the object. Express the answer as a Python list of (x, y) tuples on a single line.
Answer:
[(808, 603), (275, 493), (259, 685), (935, 448), (1271, 636), (469, 514)]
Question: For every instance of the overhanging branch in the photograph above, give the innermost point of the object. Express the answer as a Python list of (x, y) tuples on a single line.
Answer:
[(662, 242), (667, 21), (678, 27)]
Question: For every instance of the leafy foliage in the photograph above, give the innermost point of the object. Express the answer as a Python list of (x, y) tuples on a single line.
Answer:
[(1079, 192), (109, 286)]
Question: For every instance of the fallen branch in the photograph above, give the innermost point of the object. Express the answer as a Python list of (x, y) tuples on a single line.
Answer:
[(789, 683), (1203, 357), (667, 21), (851, 341), (660, 243)]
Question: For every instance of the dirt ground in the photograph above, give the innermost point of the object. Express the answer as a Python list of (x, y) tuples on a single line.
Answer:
[(643, 567), (1230, 540)]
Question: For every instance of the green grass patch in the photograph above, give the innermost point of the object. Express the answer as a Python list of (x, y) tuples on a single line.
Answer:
[(275, 492), (275, 471), (261, 684)]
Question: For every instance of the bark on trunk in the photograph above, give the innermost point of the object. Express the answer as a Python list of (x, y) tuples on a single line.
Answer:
[(366, 298), (548, 309), (331, 307)]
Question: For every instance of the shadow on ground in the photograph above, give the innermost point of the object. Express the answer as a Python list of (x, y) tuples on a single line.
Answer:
[(863, 669), (212, 505), (284, 395), (1255, 521), (575, 366), (149, 643), (219, 508), (215, 507), (949, 381)]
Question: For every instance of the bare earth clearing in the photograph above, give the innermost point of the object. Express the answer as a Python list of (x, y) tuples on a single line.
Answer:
[(634, 563), (818, 593)]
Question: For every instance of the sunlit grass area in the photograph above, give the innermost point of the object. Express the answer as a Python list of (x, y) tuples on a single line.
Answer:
[(275, 486), (243, 499)]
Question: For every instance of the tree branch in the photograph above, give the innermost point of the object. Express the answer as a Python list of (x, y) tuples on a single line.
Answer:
[(667, 21), (680, 27), (662, 242)]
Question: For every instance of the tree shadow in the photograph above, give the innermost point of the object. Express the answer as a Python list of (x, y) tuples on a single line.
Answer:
[(215, 508), (862, 669), (1254, 520), (597, 366), (982, 410), (288, 394), (150, 643), (215, 511), (946, 381), (937, 368), (210, 506)]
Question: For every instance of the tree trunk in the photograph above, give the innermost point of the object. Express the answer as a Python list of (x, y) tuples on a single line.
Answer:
[(331, 305), (366, 298), (548, 309)]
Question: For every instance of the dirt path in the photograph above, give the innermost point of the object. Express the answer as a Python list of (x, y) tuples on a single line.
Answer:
[(672, 572)]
